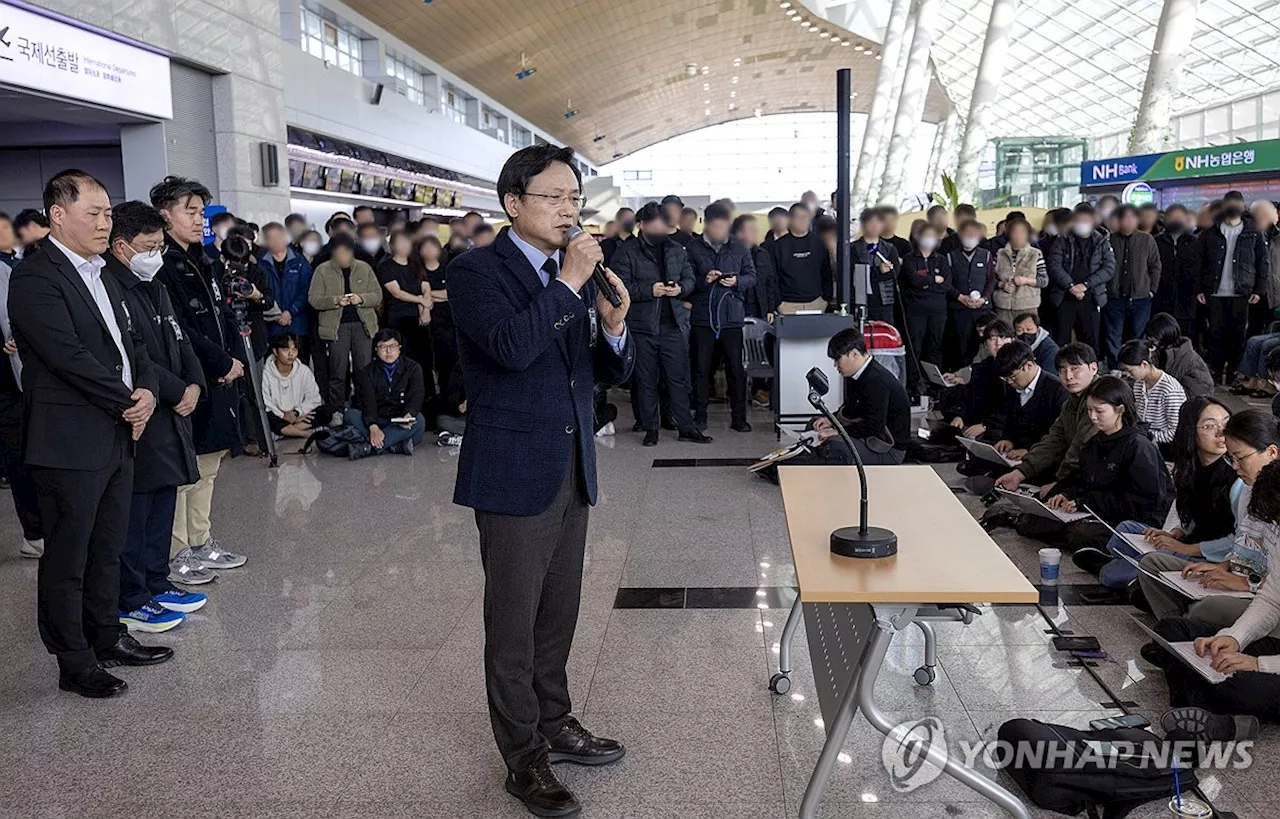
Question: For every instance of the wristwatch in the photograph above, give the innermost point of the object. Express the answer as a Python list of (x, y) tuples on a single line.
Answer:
[(1255, 581)]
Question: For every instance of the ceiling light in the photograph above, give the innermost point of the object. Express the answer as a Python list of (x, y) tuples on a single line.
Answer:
[(877, 58), (733, 94), (706, 86), (706, 102), (706, 69), (734, 81), (792, 12), (824, 34), (806, 24), (858, 47), (785, 4), (737, 61), (707, 112), (796, 19)]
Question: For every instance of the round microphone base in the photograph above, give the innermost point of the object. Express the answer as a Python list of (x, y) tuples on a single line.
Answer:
[(847, 541)]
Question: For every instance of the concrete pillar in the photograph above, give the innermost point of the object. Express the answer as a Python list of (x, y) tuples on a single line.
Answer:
[(915, 85), (873, 136), (1173, 38), (142, 155), (986, 90), (891, 110), (941, 157)]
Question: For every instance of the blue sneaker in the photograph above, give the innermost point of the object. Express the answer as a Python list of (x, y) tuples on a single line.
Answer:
[(153, 618), (182, 601)]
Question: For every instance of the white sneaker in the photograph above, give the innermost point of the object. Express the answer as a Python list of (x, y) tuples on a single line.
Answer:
[(607, 429), (33, 549), (212, 556), (185, 569)]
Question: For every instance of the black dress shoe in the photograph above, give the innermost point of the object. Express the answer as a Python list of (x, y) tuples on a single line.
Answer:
[(637, 427), (668, 425), (128, 651), (997, 520), (576, 744), (542, 793), (94, 683), (741, 426), (651, 438), (1091, 559), (695, 437)]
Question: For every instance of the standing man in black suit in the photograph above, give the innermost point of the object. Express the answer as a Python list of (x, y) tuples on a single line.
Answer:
[(88, 391), (533, 335)]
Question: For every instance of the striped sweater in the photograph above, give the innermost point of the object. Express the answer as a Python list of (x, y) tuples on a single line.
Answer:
[(1158, 406)]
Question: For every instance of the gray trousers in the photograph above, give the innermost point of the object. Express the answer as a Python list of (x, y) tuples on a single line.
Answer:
[(1165, 602), (533, 584), (352, 348)]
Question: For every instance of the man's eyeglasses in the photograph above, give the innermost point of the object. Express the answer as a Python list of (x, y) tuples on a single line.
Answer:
[(1235, 460), (389, 348), (576, 200)]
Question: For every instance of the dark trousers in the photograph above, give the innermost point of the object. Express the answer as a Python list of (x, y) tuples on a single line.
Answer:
[(1244, 692), (25, 501), (662, 360), (704, 342), (1081, 316), (350, 352), (78, 583), (1068, 536), (320, 417), (1124, 319), (925, 327), (320, 364), (444, 355), (964, 340), (1228, 318), (144, 566), (533, 584)]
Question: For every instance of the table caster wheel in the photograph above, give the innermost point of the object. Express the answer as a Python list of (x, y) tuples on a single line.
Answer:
[(925, 675), (779, 683)]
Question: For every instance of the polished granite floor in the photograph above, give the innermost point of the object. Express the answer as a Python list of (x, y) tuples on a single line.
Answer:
[(339, 673)]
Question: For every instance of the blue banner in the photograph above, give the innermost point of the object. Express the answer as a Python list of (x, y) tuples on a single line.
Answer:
[(1118, 171), (211, 211)]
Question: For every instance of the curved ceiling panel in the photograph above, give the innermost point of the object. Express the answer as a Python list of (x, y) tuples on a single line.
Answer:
[(639, 73)]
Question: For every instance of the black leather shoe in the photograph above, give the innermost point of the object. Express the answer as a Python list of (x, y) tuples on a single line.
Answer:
[(741, 426), (1091, 559), (668, 425), (542, 793), (94, 683), (997, 520), (576, 744), (128, 651), (637, 427), (693, 436), (651, 438)]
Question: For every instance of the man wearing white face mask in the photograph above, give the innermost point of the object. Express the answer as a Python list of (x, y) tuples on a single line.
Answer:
[(1080, 266), (369, 238), (166, 454)]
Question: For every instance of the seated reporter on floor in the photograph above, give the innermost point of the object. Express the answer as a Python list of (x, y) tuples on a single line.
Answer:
[(1157, 394), (390, 387), (1033, 400), (1252, 442), (1205, 488), (165, 455), (1175, 355), (1246, 649), (290, 392), (983, 397), (1057, 455), (1027, 327), (1121, 475), (876, 412)]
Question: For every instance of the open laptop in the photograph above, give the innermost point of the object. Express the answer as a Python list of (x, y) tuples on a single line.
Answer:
[(1186, 653), (1033, 506), (985, 452), (1137, 541), (934, 374), (1186, 587)]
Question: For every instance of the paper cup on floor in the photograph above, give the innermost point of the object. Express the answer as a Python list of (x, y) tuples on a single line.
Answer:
[(1050, 560)]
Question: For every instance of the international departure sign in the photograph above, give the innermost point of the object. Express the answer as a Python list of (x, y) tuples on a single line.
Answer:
[(50, 56), (1240, 158)]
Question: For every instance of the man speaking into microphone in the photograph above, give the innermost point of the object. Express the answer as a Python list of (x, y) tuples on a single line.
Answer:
[(534, 331)]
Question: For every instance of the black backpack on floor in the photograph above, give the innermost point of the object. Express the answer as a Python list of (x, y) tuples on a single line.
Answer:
[(1077, 777), (333, 441)]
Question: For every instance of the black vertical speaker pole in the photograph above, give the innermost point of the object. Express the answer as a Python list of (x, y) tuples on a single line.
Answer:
[(844, 113)]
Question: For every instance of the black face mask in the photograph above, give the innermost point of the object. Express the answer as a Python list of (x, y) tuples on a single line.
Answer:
[(1175, 227), (653, 239), (1233, 211), (627, 227), (1029, 338)]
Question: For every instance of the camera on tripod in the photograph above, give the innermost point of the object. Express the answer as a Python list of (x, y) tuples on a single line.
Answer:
[(237, 255)]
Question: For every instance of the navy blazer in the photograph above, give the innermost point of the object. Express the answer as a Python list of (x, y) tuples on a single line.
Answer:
[(529, 367)]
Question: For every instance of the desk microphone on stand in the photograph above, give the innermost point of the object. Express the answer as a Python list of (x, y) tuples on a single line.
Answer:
[(861, 540)]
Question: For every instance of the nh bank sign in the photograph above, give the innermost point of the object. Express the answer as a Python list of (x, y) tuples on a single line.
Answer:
[(1245, 157)]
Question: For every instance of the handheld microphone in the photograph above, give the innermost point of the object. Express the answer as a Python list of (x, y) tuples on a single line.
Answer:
[(602, 281), (849, 541)]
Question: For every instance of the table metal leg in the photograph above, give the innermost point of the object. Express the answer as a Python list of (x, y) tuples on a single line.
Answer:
[(836, 735), (927, 673), (864, 690), (780, 683)]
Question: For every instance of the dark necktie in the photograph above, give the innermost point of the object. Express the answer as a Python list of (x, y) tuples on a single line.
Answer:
[(551, 268)]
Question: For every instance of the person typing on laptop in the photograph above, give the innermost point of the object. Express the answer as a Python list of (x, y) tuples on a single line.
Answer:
[(1121, 475)]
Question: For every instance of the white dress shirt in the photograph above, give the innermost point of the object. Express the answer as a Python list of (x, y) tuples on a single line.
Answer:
[(1024, 394), (90, 271)]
